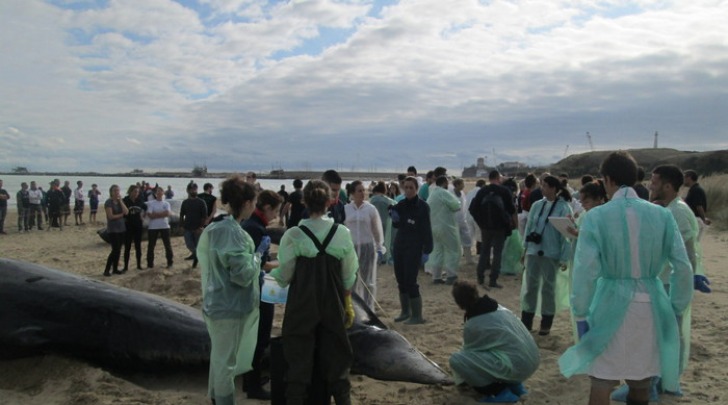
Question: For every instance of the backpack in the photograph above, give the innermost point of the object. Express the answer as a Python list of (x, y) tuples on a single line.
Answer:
[(491, 213)]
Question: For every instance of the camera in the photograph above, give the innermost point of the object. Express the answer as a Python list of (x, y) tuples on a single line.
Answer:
[(534, 237)]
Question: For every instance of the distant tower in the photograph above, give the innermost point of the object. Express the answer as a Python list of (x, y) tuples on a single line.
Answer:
[(655, 145), (591, 143), (566, 151), (481, 163)]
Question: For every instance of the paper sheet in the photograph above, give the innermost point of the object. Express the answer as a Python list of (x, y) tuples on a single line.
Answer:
[(562, 224)]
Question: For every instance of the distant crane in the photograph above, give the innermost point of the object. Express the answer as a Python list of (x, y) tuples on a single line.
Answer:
[(566, 151), (655, 145), (495, 161), (591, 143)]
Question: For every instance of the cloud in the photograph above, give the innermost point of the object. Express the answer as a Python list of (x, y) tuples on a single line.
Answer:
[(340, 84)]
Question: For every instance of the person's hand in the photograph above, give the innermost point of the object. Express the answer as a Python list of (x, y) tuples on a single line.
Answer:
[(380, 256), (582, 327), (425, 258), (707, 221), (395, 215), (572, 231), (348, 311), (701, 283), (264, 244)]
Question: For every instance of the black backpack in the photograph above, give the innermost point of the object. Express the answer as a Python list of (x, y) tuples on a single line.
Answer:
[(491, 213)]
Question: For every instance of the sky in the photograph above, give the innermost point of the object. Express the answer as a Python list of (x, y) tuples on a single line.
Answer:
[(113, 85)]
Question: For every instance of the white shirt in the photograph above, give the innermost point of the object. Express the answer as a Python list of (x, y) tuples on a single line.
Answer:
[(35, 196), (78, 194), (155, 206)]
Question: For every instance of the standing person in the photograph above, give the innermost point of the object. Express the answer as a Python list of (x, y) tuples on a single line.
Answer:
[(35, 196), (4, 197), (412, 245), (22, 198), (193, 215), (134, 225), (383, 203), (210, 201), (230, 266), (547, 251), (424, 190), (79, 197), (472, 225), (639, 187), (496, 217), (628, 325), (115, 227), (696, 200), (158, 211), (447, 249), (513, 247), (336, 205), (498, 352), (93, 203), (283, 217), (318, 260), (466, 238), (169, 194), (266, 210), (524, 202), (66, 206), (55, 202), (294, 207), (363, 221)]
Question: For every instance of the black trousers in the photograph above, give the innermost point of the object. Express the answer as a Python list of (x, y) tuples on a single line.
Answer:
[(112, 262), (406, 268), (133, 235), (153, 235), (494, 239)]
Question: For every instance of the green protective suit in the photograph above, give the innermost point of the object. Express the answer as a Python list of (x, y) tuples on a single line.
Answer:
[(447, 249), (623, 247), (511, 257), (496, 348), (688, 226), (545, 287), (382, 203), (295, 243), (230, 302)]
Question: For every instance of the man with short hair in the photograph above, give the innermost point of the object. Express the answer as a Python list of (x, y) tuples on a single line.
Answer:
[(424, 190), (79, 199), (36, 214), (447, 247), (193, 216), (496, 216), (624, 245), (336, 209), (640, 188), (22, 198), (210, 201), (294, 207), (4, 197), (283, 215), (66, 207)]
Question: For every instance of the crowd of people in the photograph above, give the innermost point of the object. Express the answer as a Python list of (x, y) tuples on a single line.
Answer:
[(625, 266)]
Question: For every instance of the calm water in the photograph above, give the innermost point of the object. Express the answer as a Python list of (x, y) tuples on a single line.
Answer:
[(11, 183)]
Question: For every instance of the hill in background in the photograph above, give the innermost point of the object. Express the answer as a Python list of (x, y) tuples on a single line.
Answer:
[(704, 163)]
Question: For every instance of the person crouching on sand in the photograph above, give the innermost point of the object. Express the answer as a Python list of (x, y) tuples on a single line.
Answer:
[(498, 351)]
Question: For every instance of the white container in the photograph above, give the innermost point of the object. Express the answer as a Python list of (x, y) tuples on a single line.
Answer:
[(272, 293)]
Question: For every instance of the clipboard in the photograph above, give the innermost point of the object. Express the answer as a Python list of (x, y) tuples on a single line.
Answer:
[(562, 224)]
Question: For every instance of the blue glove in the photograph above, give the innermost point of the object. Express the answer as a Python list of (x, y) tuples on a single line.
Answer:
[(380, 256), (701, 283), (395, 215), (264, 245), (425, 258), (582, 327)]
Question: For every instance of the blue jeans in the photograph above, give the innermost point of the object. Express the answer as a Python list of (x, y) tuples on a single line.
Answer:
[(191, 239)]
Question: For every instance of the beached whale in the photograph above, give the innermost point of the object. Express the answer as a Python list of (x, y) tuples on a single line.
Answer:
[(50, 311)]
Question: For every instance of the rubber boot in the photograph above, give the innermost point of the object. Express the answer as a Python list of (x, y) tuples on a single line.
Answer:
[(527, 319), (546, 322), (416, 306), (404, 302)]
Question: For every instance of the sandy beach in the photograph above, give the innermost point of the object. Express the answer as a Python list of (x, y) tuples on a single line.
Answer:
[(53, 379)]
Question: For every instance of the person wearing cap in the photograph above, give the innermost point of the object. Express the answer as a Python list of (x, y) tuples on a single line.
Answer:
[(193, 215)]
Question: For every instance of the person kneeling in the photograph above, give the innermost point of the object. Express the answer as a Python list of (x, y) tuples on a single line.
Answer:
[(498, 352)]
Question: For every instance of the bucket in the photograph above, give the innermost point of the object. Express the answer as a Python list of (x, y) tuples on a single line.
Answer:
[(271, 292)]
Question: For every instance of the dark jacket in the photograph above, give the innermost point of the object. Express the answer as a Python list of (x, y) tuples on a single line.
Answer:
[(414, 224)]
